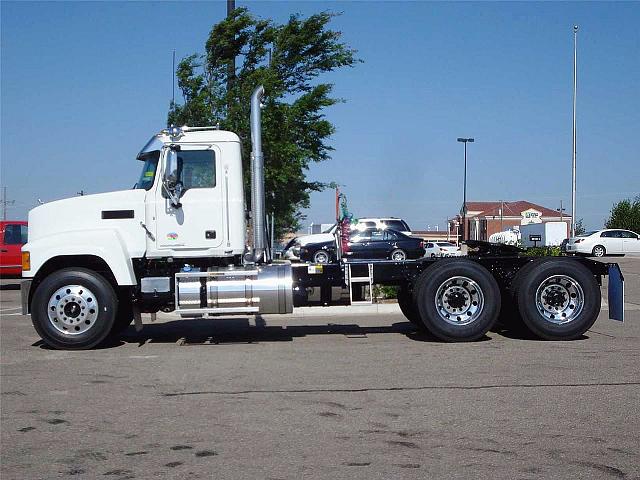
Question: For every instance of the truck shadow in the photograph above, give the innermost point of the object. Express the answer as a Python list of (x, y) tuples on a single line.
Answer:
[(241, 330)]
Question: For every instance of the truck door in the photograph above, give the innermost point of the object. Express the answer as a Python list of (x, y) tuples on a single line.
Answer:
[(198, 224)]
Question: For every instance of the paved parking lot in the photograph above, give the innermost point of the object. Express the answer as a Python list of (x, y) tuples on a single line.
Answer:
[(321, 396)]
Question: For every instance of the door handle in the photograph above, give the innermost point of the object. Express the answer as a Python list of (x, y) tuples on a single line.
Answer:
[(3, 251)]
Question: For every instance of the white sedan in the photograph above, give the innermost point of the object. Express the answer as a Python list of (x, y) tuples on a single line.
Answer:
[(610, 241), (441, 249)]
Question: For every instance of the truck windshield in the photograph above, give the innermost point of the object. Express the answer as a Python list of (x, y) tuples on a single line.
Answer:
[(149, 168)]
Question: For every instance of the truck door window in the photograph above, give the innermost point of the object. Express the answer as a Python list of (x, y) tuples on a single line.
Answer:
[(197, 168), (15, 234)]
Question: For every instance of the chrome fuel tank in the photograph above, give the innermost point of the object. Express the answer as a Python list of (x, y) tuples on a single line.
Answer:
[(259, 289)]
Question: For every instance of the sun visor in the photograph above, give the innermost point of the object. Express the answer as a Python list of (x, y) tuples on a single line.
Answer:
[(153, 145)]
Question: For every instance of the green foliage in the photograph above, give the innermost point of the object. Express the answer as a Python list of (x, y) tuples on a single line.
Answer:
[(543, 252), (287, 59), (625, 214), (580, 230), (385, 291)]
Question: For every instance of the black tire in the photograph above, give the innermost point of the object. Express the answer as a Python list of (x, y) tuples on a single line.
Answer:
[(599, 251), (408, 307), (444, 276), (398, 252), (544, 276), (99, 326), (321, 256), (509, 313)]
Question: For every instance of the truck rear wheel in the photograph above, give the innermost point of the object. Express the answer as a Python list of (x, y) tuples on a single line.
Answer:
[(458, 300), (558, 299), (74, 309)]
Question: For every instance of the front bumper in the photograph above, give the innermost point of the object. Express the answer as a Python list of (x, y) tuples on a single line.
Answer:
[(25, 290)]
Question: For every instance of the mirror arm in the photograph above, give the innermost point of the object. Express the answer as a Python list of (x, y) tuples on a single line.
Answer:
[(175, 201)]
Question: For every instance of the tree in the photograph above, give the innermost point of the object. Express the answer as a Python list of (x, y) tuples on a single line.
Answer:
[(625, 214), (287, 59), (580, 230)]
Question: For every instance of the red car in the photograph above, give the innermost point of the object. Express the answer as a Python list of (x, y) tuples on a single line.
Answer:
[(13, 234)]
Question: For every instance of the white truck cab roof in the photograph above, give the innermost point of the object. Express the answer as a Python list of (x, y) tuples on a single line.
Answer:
[(185, 135)]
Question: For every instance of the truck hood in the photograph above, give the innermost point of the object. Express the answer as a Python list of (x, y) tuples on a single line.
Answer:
[(112, 210)]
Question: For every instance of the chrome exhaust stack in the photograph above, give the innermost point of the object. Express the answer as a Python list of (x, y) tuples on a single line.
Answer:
[(257, 180)]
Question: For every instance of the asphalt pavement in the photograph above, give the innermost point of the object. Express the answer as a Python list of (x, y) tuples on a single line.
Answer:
[(321, 394)]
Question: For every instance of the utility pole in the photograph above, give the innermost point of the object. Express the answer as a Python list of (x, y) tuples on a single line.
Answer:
[(5, 203), (464, 195), (561, 210), (573, 163)]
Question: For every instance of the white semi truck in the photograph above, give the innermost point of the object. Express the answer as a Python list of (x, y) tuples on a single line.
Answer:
[(177, 243)]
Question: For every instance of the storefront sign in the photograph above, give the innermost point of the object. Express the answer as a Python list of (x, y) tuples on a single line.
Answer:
[(531, 216)]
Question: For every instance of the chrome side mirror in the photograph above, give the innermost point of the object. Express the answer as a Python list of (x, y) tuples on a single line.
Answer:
[(171, 177), (171, 169)]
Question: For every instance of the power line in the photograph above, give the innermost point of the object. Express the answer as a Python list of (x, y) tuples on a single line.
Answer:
[(5, 203)]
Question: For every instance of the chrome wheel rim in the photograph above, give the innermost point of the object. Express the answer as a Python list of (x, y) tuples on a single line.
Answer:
[(559, 299), (459, 301), (598, 252), (321, 257), (399, 256), (72, 309)]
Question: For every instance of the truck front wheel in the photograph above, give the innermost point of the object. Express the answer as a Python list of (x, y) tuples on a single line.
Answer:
[(74, 309), (458, 300)]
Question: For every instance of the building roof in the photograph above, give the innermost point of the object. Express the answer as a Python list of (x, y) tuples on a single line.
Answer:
[(510, 209)]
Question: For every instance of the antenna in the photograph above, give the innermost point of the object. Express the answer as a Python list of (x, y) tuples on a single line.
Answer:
[(173, 78)]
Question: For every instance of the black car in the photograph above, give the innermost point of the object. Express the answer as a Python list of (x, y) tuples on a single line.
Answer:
[(367, 244)]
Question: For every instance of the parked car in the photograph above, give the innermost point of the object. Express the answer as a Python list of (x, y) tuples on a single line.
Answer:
[(372, 243), (323, 252), (442, 249), (13, 234), (292, 249), (563, 245), (383, 223), (610, 241)]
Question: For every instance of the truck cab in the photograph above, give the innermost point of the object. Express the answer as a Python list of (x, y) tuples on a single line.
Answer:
[(196, 213)]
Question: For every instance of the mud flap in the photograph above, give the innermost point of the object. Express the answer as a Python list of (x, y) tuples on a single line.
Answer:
[(616, 293), (137, 319)]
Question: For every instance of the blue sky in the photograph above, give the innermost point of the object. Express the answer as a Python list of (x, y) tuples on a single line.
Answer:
[(84, 85)]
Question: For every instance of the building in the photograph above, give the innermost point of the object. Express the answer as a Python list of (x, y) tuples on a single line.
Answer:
[(487, 218), (434, 235)]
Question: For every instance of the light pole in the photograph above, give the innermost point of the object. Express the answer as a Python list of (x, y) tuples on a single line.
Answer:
[(573, 163), (464, 194)]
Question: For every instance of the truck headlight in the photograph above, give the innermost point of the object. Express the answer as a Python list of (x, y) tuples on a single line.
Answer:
[(26, 261)]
